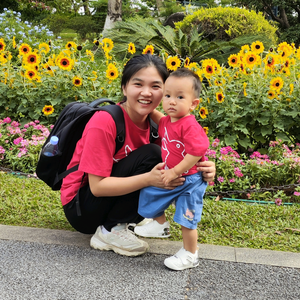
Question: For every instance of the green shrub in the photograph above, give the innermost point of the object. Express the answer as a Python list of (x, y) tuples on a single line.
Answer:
[(84, 25), (56, 23), (227, 23)]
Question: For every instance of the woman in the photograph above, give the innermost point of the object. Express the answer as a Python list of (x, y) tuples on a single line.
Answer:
[(107, 186)]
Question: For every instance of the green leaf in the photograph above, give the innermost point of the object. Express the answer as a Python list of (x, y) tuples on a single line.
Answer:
[(264, 120), (266, 130), (230, 140), (245, 142), (282, 136)]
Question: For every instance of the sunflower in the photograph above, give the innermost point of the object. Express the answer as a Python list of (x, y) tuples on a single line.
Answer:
[(112, 72), (65, 63), (31, 59), (14, 44), (90, 54), (219, 81), (270, 60), (203, 112), (96, 42), (107, 44), (31, 74), (271, 94), (131, 48), (47, 66), (149, 49), (257, 47), (186, 62), (210, 67), (24, 49), (233, 60), (77, 81), (70, 45), (5, 57), (291, 88), (220, 97), (44, 48), (173, 63), (2, 45), (48, 110), (284, 49), (205, 130), (276, 84), (251, 59)]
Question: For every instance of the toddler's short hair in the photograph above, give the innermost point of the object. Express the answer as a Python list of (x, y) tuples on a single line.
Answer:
[(184, 72)]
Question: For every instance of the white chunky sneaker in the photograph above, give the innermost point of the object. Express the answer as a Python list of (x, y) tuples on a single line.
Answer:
[(153, 229), (121, 240), (183, 259)]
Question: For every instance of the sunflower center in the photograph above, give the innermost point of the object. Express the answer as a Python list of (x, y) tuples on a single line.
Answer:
[(251, 59), (173, 63), (149, 52), (277, 84), (32, 59), (233, 60), (1, 46), (25, 50), (64, 62), (112, 73), (257, 47), (77, 81), (31, 74)]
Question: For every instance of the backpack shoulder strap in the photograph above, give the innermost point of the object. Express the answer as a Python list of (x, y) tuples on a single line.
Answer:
[(153, 130), (117, 114)]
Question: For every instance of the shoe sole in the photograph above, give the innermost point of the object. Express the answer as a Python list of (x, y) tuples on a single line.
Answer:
[(152, 235), (98, 245), (182, 268)]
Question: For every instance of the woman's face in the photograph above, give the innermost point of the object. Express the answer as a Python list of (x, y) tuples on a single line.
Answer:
[(144, 91)]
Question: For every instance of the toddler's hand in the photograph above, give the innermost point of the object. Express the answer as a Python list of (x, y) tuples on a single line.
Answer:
[(168, 175)]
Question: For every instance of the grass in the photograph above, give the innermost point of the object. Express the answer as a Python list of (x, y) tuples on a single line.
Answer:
[(30, 202)]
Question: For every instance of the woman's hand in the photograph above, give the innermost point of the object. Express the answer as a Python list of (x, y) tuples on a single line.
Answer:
[(208, 169), (156, 178)]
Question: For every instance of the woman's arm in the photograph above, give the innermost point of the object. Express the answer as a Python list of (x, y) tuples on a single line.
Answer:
[(117, 186)]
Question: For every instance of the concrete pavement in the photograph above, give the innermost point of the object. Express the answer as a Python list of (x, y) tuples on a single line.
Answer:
[(60, 265)]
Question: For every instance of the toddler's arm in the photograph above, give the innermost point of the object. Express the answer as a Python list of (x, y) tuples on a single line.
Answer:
[(188, 162), (156, 115)]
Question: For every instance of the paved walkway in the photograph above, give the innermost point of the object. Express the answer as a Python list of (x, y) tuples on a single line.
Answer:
[(60, 265)]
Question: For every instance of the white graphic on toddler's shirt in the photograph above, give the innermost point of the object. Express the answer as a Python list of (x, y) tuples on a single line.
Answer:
[(127, 152), (164, 144)]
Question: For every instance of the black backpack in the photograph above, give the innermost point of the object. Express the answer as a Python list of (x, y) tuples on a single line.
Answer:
[(69, 128)]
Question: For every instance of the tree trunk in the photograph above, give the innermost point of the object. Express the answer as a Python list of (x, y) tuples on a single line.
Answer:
[(285, 22), (86, 7), (114, 13), (159, 4)]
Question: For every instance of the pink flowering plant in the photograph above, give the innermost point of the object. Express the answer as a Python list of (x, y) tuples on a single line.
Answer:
[(280, 166), (20, 145)]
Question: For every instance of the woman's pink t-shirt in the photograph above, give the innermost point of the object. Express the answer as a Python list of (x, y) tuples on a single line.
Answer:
[(95, 150)]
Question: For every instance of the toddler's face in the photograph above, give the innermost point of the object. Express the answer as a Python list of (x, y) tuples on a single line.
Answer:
[(179, 97)]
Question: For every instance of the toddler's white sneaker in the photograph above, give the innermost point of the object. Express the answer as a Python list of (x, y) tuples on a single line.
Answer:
[(182, 260)]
